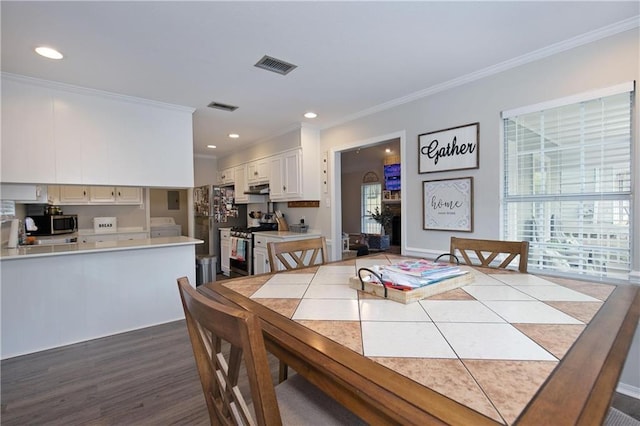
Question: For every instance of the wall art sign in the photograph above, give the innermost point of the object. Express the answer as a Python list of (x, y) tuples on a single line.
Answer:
[(448, 204), (457, 148)]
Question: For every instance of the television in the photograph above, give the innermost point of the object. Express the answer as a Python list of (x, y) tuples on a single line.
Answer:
[(392, 177)]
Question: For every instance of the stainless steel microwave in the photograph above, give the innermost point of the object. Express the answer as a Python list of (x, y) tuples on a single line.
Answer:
[(51, 224)]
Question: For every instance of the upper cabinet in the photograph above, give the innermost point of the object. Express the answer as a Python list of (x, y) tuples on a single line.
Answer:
[(226, 176), (79, 195), (286, 176), (58, 134), (241, 185), (27, 129), (258, 172)]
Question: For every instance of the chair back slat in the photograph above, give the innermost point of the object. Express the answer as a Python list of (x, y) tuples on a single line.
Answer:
[(297, 254), (209, 324), (487, 251)]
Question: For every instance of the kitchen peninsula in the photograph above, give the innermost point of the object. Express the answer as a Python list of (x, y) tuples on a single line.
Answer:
[(57, 295)]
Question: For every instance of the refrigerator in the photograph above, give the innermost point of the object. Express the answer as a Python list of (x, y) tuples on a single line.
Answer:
[(214, 208)]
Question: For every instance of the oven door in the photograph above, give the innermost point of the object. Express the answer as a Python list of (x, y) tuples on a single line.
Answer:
[(241, 258)]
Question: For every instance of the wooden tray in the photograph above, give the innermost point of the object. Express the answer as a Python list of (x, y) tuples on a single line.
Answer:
[(412, 295)]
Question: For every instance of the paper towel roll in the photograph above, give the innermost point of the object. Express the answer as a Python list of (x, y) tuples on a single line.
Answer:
[(13, 233)]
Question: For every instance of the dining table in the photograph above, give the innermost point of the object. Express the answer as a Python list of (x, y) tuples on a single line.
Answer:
[(506, 348)]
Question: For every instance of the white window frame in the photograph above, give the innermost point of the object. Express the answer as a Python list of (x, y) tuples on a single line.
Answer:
[(602, 261), (367, 224)]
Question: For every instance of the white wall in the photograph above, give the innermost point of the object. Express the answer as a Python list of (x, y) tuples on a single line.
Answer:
[(204, 170), (600, 64)]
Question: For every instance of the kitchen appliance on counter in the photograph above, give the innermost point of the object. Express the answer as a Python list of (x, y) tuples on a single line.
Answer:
[(51, 224), (241, 259), (214, 208)]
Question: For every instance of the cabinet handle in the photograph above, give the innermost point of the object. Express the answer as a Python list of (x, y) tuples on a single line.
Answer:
[(119, 194), (284, 188), (112, 193)]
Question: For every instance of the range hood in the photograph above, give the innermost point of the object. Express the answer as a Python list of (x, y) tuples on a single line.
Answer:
[(258, 190)]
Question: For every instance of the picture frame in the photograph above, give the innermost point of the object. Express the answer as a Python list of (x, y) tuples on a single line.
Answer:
[(386, 195), (448, 204), (455, 148)]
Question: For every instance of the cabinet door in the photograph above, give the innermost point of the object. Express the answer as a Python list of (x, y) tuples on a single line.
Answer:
[(276, 184), (260, 261), (291, 175), (102, 194), (53, 194), (27, 149), (258, 172), (133, 236), (128, 195), (240, 184), (225, 251), (70, 194)]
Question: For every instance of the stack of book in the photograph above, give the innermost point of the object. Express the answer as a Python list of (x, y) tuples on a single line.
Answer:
[(412, 274)]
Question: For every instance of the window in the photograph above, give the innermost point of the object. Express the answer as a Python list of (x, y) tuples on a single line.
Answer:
[(371, 194), (567, 184)]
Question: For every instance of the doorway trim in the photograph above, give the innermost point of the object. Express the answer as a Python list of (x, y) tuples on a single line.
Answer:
[(335, 171)]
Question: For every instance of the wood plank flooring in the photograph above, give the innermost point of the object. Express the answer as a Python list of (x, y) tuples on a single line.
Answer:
[(144, 377)]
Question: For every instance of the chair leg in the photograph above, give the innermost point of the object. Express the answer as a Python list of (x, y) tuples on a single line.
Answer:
[(283, 373)]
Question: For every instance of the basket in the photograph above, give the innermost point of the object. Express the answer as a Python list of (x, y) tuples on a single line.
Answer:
[(298, 227)]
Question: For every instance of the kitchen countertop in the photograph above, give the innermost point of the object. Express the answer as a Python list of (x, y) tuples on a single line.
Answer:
[(29, 252)]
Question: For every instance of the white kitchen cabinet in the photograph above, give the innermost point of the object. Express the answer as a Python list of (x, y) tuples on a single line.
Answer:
[(258, 172), (241, 186), (227, 176), (285, 176), (225, 250), (56, 134), (128, 195), (24, 193), (94, 195), (102, 195), (27, 150), (74, 194)]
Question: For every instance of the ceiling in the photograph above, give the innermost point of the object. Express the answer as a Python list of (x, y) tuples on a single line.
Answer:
[(352, 57)]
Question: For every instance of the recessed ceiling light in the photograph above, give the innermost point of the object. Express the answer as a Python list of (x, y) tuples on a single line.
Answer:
[(234, 135), (48, 52), (310, 114), (211, 146), (388, 150)]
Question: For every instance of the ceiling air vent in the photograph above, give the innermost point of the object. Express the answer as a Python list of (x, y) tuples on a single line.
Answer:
[(224, 107), (276, 65)]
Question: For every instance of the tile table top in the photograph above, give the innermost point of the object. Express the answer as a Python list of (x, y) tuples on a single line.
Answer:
[(489, 345)]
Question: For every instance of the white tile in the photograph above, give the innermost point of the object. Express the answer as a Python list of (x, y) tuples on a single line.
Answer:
[(388, 310), (491, 341), (338, 269), (291, 279), (331, 291), (530, 312), (459, 311), (327, 309), (495, 292), (282, 291), (521, 279), (404, 339), (338, 278), (555, 293), (484, 279)]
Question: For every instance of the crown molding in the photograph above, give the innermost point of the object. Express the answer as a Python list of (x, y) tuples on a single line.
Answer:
[(590, 37)]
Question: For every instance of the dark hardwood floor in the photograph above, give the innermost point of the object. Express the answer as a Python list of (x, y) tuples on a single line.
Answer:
[(144, 377)]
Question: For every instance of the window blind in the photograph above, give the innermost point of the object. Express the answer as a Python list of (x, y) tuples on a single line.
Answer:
[(567, 186)]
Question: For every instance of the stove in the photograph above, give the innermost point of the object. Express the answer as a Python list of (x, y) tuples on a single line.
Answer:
[(247, 231), (241, 260)]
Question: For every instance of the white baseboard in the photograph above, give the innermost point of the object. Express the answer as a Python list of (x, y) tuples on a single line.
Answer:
[(628, 390)]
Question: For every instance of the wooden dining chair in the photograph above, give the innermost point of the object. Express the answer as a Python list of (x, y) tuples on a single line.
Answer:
[(295, 401), (487, 252), (297, 254)]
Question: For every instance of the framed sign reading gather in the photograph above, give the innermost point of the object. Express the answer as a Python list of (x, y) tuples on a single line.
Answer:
[(457, 148), (448, 204)]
